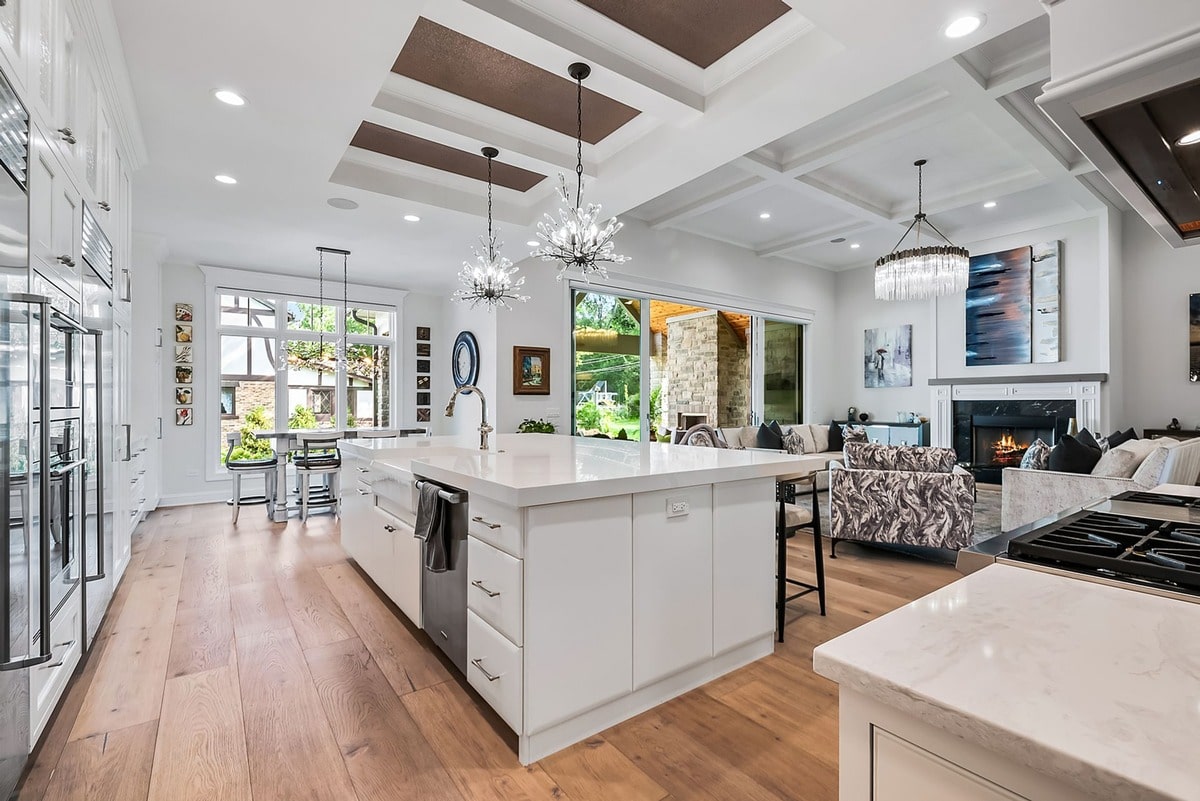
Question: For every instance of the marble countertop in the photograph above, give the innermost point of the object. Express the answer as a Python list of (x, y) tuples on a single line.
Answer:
[(535, 469), (1096, 685)]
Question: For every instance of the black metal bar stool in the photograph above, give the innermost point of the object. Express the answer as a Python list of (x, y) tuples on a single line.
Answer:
[(790, 519)]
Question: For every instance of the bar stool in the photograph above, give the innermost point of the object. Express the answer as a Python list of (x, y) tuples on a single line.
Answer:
[(792, 518), (319, 456), (243, 467)]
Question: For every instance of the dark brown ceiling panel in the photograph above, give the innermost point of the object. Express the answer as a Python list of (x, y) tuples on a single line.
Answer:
[(407, 147), (702, 31), (458, 64)]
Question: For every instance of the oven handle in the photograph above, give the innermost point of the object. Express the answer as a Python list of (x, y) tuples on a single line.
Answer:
[(100, 510), (65, 323), (129, 441)]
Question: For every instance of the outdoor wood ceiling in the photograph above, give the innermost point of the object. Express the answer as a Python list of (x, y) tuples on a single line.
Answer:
[(407, 147), (446, 59), (701, 31), (662, 310)]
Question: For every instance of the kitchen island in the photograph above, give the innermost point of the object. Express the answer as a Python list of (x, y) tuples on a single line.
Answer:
[(1014, 683), (602, 577)]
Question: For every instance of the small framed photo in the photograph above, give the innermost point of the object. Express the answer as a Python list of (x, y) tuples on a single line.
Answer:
[(422, 365), (183, 312), (422, 382), (183, 396), (183, 332), (423, 348), (183, 375), (423, 415), (422, 333), (183, 416), (531, 370), (423, 398), (183, 354)]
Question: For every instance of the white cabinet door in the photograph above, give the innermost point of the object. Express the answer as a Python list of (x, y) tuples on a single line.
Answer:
[(125, 515), (45, 62), (743, 562), (54, 213), (672, 582), (903, 772), (578, 608), (12, 32)]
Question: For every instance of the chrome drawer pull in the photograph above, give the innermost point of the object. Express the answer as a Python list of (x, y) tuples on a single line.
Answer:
[(363, 492), (389, 528), (483, 670), (492, 526), (479, 584), (362, 470)]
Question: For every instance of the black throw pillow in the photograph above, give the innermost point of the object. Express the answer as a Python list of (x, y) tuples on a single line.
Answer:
[(770, 436), (836, 441), (1072, 456), (1088, 439), (1117, 437)]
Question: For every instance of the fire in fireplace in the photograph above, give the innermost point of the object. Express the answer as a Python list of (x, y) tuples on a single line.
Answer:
[(999, 441), (1007, 450)]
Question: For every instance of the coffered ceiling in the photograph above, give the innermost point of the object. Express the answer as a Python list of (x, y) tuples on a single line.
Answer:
[(699, 115)]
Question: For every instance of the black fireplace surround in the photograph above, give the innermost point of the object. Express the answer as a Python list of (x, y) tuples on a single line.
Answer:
[(992, 435)]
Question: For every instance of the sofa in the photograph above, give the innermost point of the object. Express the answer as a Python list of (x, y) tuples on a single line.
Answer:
[(814, 435), (1030, 495), (901, 495)]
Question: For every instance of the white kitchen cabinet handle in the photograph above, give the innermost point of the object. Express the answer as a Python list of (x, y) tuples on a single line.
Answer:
[(363, 492), (483, 670), (362, 470), (479, 584), (492, 526)]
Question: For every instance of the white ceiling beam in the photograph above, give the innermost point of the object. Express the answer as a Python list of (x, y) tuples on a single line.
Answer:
[(1009, 78), (842, 200), (1016, 181), (722, 197), (822, 237)]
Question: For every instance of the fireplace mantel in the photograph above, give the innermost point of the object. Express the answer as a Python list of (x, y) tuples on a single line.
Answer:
[(1077, 378), (1085, 393)]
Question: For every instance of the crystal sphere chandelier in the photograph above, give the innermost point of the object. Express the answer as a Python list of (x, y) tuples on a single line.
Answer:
[(923, 271), (489, 279), (577, 239)]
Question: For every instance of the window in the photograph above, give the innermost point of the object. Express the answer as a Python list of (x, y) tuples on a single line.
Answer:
[(280, 364)]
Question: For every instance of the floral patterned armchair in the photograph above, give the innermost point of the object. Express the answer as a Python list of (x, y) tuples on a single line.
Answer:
[(901, 495)]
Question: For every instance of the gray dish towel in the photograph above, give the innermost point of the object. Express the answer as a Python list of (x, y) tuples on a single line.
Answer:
[(431, 527)]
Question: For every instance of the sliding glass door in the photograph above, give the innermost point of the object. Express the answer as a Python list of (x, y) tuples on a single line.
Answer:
[(607, 335)]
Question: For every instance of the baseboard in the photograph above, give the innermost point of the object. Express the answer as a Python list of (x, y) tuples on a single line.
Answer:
[(216, 495)]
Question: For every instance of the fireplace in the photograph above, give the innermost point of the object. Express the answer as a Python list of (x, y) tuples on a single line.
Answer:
[(999, 441)]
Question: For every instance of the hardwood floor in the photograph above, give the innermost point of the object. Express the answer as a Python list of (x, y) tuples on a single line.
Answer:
[(255, 662)]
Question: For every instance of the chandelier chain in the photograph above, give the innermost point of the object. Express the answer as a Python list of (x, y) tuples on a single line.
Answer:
[(489, 159), (345, 355), (579, 145), (321, 305)]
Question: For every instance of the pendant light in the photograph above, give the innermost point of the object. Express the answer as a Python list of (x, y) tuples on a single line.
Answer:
[(576, 239), (490, 278), (340, 348), (923, 271)]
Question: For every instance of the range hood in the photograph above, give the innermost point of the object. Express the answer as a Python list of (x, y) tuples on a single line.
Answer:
[(1125, 88)]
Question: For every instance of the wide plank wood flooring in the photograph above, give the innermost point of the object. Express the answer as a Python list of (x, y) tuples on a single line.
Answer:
[(256, 662)]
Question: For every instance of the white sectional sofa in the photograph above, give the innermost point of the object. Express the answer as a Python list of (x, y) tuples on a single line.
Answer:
[(815, 436)]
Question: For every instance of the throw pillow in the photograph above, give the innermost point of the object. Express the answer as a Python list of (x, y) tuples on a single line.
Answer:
[(1150, 472), (820, 435), (770, 436), (1072, 456), (1118, 437), (794, 443), (804, 431), (1037, 457), (1116, 463), (836, 442), (1140, 448), (854, 434), (1088, 439)]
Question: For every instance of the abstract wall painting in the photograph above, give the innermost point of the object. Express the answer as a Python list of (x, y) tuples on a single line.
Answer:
[(1046, 302), (1194, 339), (887, 357), (999, 308)]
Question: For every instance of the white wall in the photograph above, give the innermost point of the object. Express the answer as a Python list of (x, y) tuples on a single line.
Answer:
[(1157, 282), (482, 323), (939, 328), (670, 263), (146, 373)]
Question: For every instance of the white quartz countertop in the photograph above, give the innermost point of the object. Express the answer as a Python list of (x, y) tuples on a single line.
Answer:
[(1096, 685), (535, 469)]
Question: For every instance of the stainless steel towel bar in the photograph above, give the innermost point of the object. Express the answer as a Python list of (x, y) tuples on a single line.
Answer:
[(445, 495)]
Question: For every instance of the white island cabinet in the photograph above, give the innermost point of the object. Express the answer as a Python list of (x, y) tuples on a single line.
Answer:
[(1017, 685), (604, 578)]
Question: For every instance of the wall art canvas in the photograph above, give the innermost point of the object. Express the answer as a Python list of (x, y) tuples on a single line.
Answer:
[(422, 365), (999, 308), (183, 354), (1194, 340), (423, 382), (183, 332), (183, 375), (423, 348), (531, 370), (183, 312), (1046, 258), (887, 357), (422, 333), (423, 415), (183, 416), (183, 396), (423, 398)]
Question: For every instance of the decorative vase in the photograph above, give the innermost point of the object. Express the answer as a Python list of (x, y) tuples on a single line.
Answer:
[(864, 417), (1073, 427)]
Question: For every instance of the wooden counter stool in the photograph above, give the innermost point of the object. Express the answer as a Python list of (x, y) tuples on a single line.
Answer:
[(242, 467), (792, 518)]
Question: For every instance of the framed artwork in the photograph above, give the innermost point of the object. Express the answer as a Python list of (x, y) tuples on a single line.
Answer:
[(422, 365), (531, 370), (423, 398), (183, 375), (1194, 339), (423, 415), (1000, 308), (183, 332), (1046, 257), (183, 396), (887, 357), (423, 348), (423, 382), (183, 354), (422, 333), (183, 416), (183, 312)]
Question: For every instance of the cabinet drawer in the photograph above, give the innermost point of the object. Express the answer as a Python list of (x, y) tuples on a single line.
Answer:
[(494, 587), (494, 668), (398, 494), (496, 525), (47, 682)]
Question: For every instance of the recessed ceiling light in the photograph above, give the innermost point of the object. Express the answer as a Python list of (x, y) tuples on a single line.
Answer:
[(855, 246), (991, 204), (839, 240), (533, 243), (225, 179), (1192, 138), (344, 203), (229, 97), (766, 215), (964, 26), (411, 218)]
